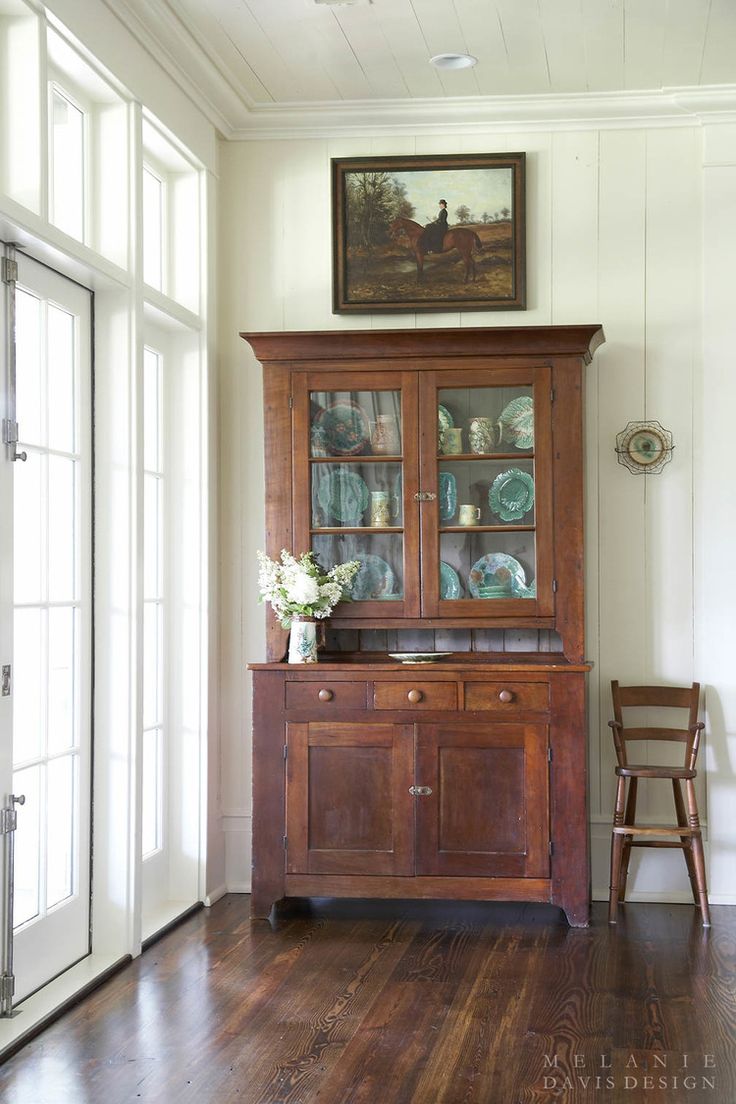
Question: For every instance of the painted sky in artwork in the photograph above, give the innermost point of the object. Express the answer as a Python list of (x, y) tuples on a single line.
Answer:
[(479, 189)]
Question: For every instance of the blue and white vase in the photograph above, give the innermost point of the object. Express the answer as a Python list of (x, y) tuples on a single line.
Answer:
[(303, 640)]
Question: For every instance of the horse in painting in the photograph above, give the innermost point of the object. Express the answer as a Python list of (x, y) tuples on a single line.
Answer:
[(459, 237)]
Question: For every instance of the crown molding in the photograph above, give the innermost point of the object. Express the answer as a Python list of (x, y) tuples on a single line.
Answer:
[(609, 110), (225, 102)]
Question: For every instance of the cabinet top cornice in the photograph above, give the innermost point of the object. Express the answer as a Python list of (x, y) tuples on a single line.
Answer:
[(549, 341)]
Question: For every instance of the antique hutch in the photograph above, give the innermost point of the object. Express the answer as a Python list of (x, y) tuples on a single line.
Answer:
[(449, 461)]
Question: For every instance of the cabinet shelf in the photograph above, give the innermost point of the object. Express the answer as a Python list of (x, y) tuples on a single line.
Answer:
[(487, 529), (357, 529), (454, 457), (356, 459)]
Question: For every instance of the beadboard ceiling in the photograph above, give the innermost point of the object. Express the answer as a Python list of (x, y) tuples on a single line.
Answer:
[(250, 57)]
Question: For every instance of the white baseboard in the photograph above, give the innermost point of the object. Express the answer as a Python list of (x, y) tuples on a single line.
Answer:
[(215, 895), (237, 828)]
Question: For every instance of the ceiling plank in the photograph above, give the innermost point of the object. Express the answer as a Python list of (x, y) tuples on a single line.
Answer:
[(644, 33), (295, 33), (388, 42), (719, 56), (684, 42), (564, 45), (482, 30), (212, 37), (443, 34), (522, 32), (603, 32)]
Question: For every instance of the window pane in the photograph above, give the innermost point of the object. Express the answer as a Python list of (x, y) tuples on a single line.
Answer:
[(62, 813), (151, 410), (60, 361), (27, 880), (27, 529), (28, 664), (152, 664), (67, 165), (28, 367), (153, 226), (152, 536), (151, 799), (62, 679), (62, 529)]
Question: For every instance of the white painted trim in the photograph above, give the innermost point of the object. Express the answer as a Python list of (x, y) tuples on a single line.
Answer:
[(215, 896), (466, 115)]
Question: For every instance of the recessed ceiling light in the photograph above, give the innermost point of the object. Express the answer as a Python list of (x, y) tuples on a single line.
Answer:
[(453, 61)]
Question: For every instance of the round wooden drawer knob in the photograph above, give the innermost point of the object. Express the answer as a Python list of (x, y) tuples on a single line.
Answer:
[(415, 696), (325, 695), (505, 696)]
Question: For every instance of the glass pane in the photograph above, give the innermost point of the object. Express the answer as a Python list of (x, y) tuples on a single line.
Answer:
[(153, 226), (152, 664), (61, 820), (356, 495), (62, 529), (27, 880), (28, 530), (482, 420), (62, 679), (355, 423), (67, 165), (486, 492), (60, 359), (28, 367), (152, 537), (28, 680), (151, 798), (381, 576), (487, 565), (151, 411)]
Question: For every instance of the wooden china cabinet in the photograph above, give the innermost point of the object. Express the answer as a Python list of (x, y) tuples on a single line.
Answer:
[(449, 462)]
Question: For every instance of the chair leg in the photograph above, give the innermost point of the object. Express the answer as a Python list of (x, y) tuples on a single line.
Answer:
[(630, 818), (687, 843), (617, 845), (698, 853)]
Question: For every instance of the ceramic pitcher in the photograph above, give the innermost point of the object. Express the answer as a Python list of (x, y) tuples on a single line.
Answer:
[(303, 640), (385, 439), (380, 510), (481, 435)]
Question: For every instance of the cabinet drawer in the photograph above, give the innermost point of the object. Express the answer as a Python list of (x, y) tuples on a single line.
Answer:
[(415, 695), (507, 697), (326, 695)]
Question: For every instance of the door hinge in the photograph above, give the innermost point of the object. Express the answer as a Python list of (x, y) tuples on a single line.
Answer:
[(286, 751), (9, 271), (549, 754), (10, 438), (551, 847), (8, 821), (552, 395), (554, 586), (291, 402), (6, 680), (286, 840), (7, 989)]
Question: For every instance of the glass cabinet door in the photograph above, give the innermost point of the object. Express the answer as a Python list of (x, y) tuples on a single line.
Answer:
[(354, 490), (487, 535)]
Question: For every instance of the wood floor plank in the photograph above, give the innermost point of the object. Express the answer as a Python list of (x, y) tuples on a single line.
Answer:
[(396, 1002)]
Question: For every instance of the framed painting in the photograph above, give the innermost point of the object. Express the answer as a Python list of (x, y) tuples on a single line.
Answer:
[(429, 233)]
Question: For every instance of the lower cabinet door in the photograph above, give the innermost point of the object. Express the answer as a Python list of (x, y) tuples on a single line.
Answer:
[(488, 810), (348, 806)]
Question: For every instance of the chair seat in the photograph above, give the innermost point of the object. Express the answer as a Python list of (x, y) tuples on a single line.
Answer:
[(648, 770)]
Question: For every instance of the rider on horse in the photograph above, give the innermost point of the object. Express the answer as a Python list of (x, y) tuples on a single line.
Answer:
[(432, 240)]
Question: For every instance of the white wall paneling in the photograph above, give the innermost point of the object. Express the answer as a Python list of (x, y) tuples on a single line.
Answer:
[(615, 234)]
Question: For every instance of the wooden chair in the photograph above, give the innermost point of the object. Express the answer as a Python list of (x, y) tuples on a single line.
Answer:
[(624, 820)]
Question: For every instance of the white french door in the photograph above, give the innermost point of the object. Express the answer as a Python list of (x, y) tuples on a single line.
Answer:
[(46, 618)]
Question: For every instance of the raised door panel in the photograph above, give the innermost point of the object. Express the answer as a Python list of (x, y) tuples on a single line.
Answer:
[(348, 806), (488, 810)]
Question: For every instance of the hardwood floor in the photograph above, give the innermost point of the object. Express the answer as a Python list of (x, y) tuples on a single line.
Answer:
[(388, 1002)]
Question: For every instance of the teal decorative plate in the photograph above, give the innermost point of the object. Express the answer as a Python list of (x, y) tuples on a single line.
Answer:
[(447, 495), (445, 421), (511, 494), (493, 575), (343, 496), (520, 591), (418, 657), (345, 428), (450, 586), (375, 579), (516, 423)]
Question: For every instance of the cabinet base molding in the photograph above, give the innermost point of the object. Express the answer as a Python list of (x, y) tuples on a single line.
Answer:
[(422, 887)]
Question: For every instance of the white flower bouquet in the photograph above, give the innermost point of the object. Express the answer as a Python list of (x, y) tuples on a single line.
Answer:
[(301, 588)]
